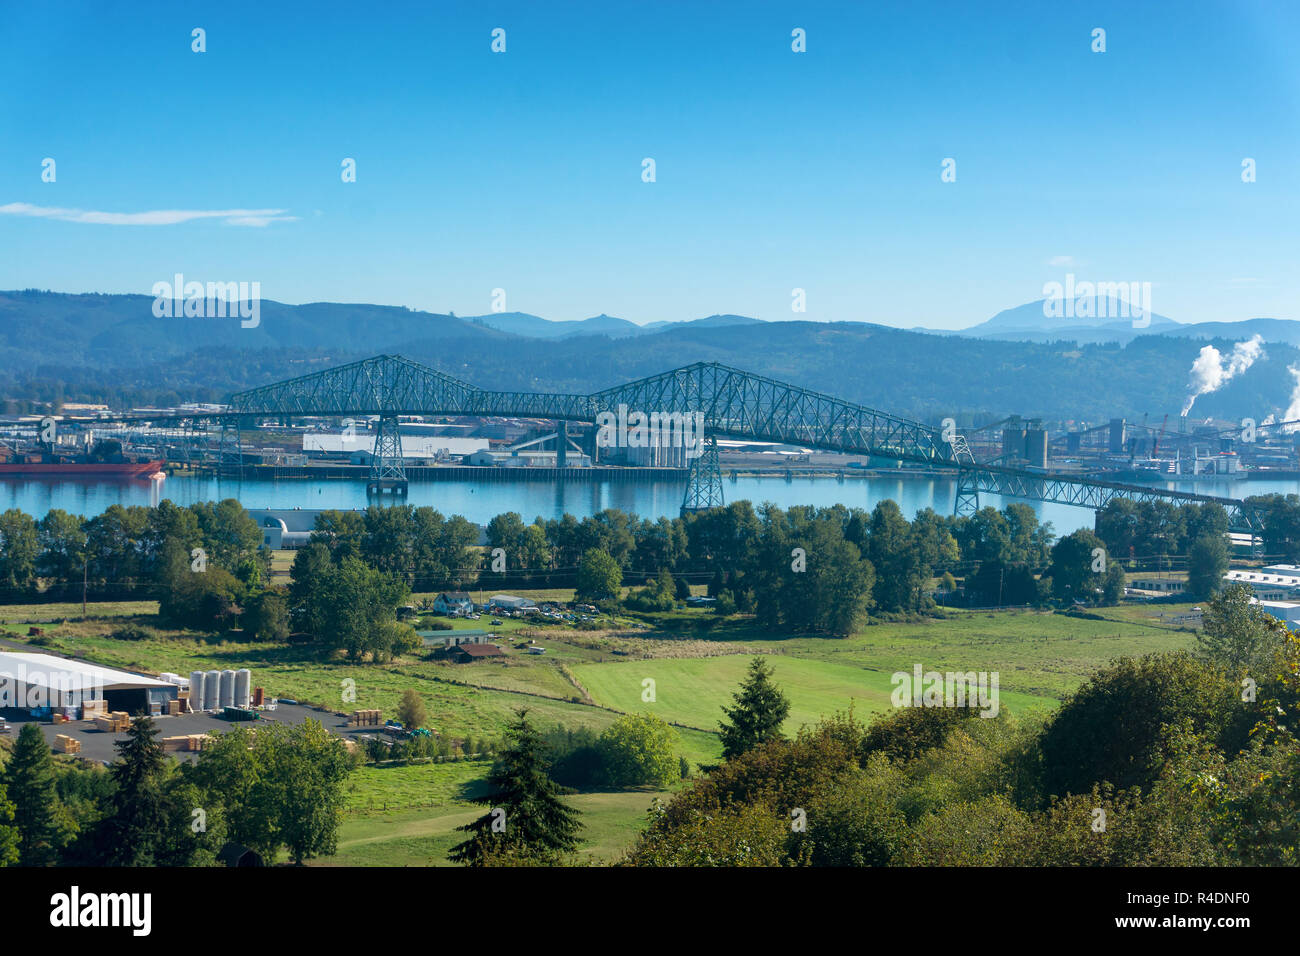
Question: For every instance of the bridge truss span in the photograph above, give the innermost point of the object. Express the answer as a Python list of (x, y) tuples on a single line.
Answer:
[(1083, 492), (734, 404)]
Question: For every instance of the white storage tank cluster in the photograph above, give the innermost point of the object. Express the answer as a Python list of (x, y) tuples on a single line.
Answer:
[(243, 687), (196, 691), (227, 689), (212, 690)]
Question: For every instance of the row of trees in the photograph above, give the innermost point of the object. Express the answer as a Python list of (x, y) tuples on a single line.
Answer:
[(1149, 533), (805, 569), (279, 789), (125, 550)]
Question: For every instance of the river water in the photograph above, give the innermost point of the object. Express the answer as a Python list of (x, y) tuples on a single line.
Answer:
[(479, 502)]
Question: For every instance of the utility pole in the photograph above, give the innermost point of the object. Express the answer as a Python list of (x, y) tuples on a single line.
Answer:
[(85, 580)]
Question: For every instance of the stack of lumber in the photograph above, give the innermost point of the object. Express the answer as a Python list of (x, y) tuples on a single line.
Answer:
[(115, 723), (198, 741), (175, 708), (364, 718), (92, 708), (66, 745)]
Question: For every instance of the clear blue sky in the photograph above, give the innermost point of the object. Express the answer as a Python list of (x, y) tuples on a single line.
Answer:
[(775, 170)]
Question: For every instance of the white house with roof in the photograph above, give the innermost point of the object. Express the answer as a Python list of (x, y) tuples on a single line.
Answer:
[(454, 603)]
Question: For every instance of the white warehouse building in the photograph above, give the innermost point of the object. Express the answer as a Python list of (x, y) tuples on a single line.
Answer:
[(1278, 582), (413, 446), (33, 681)]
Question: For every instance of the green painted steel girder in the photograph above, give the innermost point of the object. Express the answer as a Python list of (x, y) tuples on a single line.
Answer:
[(734, 403)]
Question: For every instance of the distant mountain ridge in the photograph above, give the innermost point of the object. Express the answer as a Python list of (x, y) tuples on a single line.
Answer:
[(110, 348), (1031, 322), (93, 327)]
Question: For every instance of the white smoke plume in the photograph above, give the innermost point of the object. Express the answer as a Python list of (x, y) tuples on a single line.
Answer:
[(1293, 410), (1210, 372)]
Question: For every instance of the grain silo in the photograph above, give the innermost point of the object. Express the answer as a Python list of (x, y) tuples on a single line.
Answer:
[(227, 698), (196, 691), (1117, 436), (243, 687), (1036, 445), (1013, 439)]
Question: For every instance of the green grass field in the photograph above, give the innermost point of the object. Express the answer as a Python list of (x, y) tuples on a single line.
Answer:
[(406, 815), (52, 612), (692, 691), (422, 837), (426, 802)]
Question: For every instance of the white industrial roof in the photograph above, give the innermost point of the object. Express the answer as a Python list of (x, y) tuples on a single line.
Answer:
[(1290, 580), (46, 670)]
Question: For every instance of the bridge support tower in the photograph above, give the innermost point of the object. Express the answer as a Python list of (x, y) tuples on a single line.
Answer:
[(704, 482), (230, 451), (968, 494), (387, 473)]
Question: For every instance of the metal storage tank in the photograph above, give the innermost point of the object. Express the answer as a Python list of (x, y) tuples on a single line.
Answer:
[(243, 687), (196, 690), (227, 689), (211, 690)]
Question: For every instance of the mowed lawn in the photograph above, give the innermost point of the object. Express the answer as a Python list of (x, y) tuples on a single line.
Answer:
[(422, 835), (692, 691), (1035, 653)]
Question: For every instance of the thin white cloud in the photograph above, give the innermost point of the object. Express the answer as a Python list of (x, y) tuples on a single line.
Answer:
[(156, 217), (1061, 261)]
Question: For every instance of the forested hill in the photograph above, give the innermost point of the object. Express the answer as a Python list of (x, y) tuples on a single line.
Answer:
[(57, 347)]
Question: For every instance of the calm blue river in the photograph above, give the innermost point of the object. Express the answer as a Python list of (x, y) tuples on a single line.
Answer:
[(479, 502)]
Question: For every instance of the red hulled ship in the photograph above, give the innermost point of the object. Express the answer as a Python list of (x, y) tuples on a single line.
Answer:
[(104, 461)]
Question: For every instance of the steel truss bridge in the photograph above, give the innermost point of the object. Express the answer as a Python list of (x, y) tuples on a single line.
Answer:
[(734, 404)]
